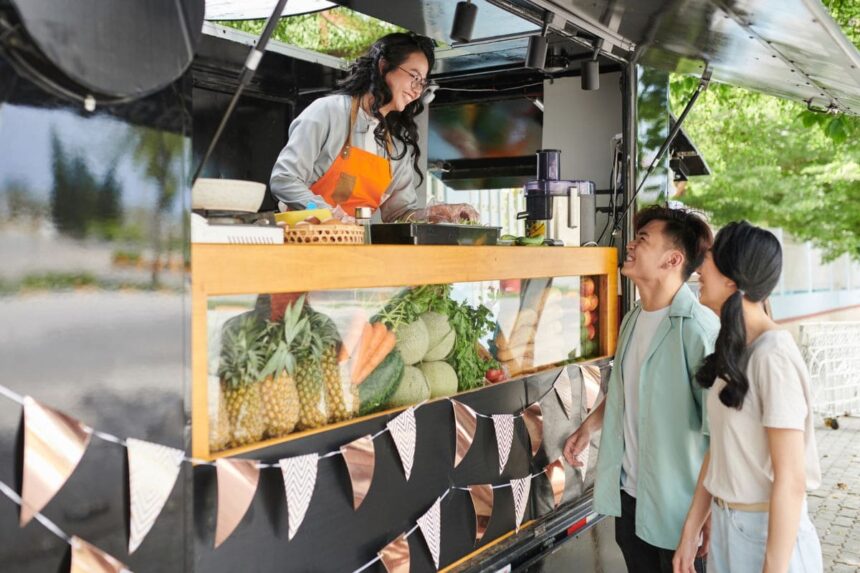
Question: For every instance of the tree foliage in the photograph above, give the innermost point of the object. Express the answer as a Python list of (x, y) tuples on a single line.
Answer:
[(338, 32), (775, 163)]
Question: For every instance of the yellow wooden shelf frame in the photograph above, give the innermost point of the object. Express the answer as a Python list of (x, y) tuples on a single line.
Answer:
[(251, 269)]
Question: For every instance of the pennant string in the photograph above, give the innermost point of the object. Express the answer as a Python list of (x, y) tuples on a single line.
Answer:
[(11, 494), (49, 525), (108, 437), (11, 395)]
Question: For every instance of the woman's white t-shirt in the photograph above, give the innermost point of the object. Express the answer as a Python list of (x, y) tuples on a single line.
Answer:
[(741, 470)]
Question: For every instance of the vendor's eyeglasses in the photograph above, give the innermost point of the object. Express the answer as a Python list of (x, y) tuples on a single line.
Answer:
[(417, 81)]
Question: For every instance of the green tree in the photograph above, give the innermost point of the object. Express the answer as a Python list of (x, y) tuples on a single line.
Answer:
[(775, 163), (157, 152), (338, 32)]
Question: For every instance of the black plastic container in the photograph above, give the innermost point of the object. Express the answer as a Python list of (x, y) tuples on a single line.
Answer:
[(433, 234)]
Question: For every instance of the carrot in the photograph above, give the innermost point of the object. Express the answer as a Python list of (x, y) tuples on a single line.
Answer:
[(377, 335), (362, 350), (379, 353)]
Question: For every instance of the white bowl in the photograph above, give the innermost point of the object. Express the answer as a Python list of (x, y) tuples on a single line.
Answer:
[(227, 195)]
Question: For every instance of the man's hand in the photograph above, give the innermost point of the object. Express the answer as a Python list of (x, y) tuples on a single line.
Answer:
[(577, 443)]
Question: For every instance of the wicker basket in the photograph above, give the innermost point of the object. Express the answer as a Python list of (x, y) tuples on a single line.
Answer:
[(325, 235)]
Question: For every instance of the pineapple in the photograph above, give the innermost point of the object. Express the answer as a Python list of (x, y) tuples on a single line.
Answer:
[(242, 355), (280, 394), (341, 395), (219, 431), (313, 410)]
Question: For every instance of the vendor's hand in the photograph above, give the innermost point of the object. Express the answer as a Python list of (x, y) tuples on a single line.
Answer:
[(575, 444), (342, 216), (451, 213)]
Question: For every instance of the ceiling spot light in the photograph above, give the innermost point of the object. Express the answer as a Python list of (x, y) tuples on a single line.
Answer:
[(591, 70), (464, 21), (536, 54)]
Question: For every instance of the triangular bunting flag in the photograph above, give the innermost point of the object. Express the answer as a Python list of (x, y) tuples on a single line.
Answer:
[(521, 489), (152, 473), (504, 425), (564, 392), (53, 445), (482, 501), (533, 418), (88, 558), (431, 527), (300, 478), (404, 433), (591, 380), (237, 484), (360, 460), (465, 424), (395, 555), (555, 474)]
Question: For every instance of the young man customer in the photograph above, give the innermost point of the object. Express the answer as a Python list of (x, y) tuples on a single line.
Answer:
[(654, 429)]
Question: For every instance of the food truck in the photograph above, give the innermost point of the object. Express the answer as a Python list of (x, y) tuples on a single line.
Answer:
[(188, 385)]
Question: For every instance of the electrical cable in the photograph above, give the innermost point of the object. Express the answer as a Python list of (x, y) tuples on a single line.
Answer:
[(703, 85)]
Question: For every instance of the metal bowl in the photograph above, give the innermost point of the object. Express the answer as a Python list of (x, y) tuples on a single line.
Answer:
[(227, 195)]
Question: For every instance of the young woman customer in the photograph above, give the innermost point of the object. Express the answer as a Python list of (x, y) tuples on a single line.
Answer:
[(762, 458)]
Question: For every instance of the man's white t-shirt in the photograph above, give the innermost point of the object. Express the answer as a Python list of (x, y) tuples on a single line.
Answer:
[(634, 355)]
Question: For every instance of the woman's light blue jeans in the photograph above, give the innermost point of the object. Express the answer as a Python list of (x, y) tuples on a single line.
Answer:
[(738, 540)]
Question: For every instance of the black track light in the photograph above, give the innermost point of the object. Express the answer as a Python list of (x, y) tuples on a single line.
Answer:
[(536, 54), (590, 76), (464, 22)]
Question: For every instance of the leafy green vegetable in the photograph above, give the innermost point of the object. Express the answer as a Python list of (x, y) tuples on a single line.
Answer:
[(469, 324), (411, 303)]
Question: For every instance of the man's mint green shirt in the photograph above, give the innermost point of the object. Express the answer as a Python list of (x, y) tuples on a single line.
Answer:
[(672, 421)]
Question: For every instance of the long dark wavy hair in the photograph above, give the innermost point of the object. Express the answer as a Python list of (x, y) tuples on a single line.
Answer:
[(367, 75), (752, 258)]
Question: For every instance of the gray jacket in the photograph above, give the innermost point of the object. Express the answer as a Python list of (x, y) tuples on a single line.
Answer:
[(316, 137)]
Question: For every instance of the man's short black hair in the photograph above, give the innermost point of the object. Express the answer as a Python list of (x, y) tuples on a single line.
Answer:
[(684, 229)]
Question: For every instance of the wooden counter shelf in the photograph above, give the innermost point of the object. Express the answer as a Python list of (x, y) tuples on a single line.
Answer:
[(251, 269)]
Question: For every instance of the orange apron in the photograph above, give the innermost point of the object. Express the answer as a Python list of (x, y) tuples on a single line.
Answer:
[(357, 178)]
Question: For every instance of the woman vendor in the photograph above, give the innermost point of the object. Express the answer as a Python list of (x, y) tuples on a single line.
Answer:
[(359, 147)]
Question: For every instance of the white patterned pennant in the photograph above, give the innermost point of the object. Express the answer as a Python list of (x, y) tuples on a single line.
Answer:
[(521, 489), (564, 392), (300, 478), (431, 528), (591, 379), (504, 424), (152, 473), (404, 432)]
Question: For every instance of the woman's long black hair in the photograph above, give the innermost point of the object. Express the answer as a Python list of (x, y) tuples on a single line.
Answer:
[(365, 76), (752, 258)]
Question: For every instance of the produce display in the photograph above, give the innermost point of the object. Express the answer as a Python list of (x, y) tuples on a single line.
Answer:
[(292, 368)]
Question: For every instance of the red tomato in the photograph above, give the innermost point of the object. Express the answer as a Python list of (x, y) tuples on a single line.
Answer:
[(587, 286), (495, 375)]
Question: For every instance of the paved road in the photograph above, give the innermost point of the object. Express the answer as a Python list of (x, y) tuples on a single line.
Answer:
[(835, 507)]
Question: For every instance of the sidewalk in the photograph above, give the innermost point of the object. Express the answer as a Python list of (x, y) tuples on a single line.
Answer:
[(835, 506)]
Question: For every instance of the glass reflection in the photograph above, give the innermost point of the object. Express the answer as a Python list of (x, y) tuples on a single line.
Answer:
[(290, 362)]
